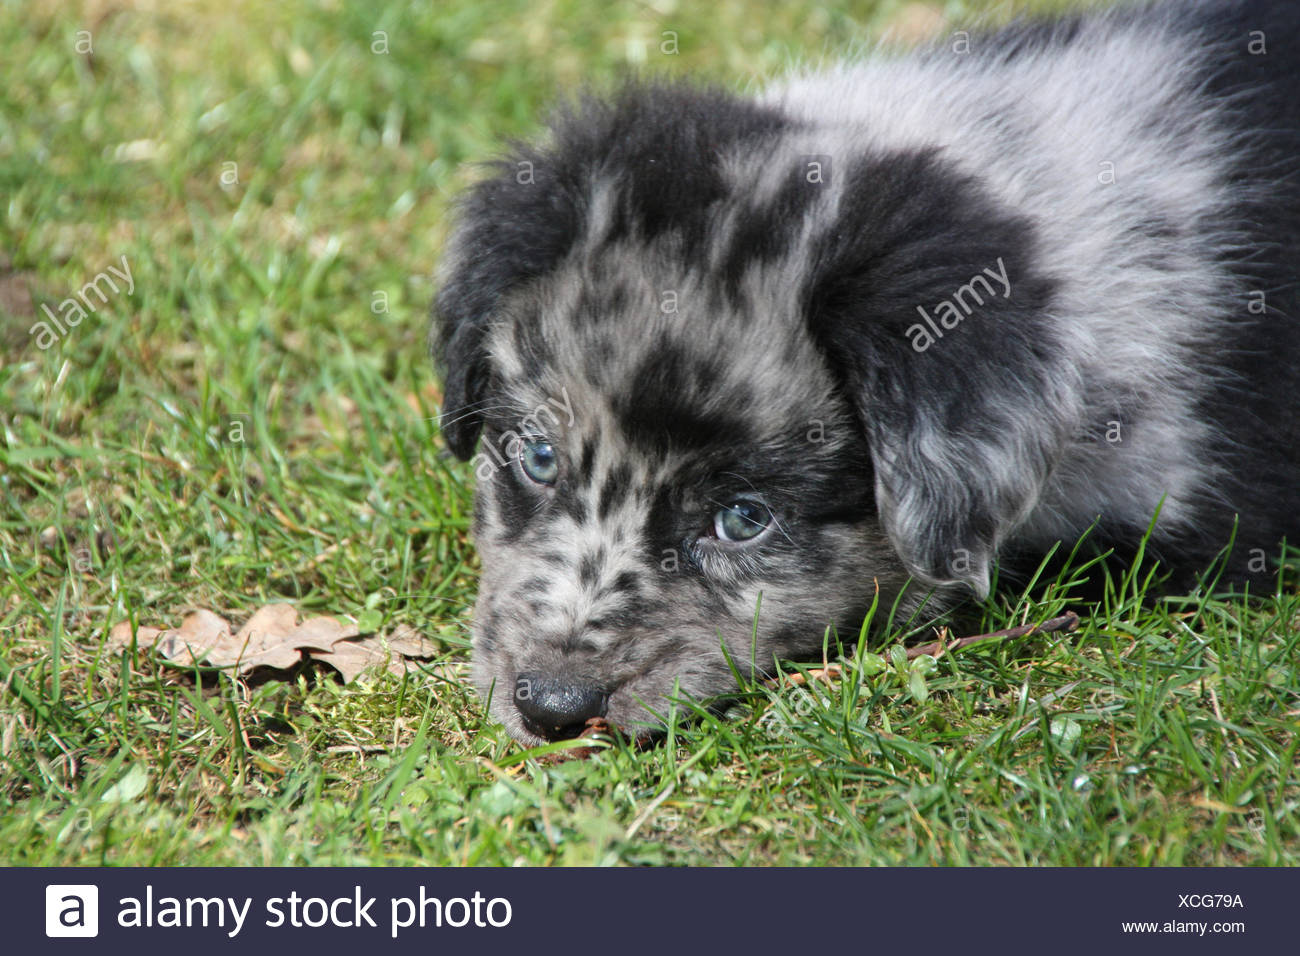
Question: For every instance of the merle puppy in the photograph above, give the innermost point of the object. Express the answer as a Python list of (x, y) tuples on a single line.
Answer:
[(878, 326)]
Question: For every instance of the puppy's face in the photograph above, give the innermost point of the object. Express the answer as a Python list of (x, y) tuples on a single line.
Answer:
[(675, 350), (643, 480)]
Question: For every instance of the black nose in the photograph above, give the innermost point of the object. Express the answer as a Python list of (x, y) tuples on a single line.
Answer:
[(558, 707)]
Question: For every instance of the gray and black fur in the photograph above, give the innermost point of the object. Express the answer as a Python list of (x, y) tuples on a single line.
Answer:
[(689, 301)]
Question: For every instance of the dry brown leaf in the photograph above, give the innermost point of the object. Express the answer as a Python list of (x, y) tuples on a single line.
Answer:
[(273, 638), (322, 633), (120, 636), (190, 643), (351, 658), (408, 642), (262, 641)]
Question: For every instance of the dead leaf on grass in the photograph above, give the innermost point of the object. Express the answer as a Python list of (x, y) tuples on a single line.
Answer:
[(272, 638)]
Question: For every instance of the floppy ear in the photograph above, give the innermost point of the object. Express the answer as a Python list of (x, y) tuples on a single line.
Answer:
[(511, 227), (965, 405)]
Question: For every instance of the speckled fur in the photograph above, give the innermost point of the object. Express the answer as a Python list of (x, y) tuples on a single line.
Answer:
[(694, 295)]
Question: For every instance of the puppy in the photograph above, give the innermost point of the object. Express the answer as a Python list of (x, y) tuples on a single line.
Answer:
[(875, 328)]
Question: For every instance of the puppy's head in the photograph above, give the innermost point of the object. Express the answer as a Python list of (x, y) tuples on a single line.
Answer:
[(675, 350)]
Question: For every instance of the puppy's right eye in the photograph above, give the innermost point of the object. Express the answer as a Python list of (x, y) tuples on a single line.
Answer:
[(742, 520), (539, 462)]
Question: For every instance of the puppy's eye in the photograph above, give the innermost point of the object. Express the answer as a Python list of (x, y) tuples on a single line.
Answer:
[(539, 462), (742, 520)]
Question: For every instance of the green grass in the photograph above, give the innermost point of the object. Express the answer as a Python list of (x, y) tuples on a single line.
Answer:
[(290, 301)]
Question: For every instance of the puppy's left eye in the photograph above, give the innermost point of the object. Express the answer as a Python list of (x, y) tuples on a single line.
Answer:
[(539, 462), (742, 520)]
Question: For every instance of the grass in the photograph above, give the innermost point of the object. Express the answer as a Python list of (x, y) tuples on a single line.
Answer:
[(254, 422)]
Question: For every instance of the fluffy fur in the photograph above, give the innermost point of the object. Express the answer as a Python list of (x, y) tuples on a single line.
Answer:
[(932, 311)]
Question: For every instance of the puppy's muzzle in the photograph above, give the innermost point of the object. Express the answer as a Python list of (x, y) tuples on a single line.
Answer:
[(558, 708)]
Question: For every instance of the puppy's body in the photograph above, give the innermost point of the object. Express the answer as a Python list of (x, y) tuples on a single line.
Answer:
[(909, 316)]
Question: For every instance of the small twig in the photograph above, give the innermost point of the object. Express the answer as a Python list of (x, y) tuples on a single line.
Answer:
[(828, 673), (1066, 622), (645, 814)]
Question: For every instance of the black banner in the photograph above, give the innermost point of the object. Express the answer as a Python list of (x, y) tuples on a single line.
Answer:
[(647, 910)]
